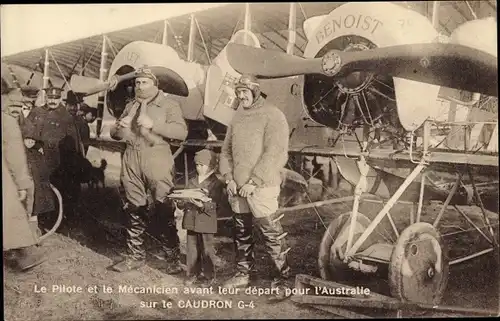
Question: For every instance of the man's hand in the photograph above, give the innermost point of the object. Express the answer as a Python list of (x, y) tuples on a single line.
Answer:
[(22, 194), (125, 122), (247, 190), (196, 202), (145, 121), (231, 188), (28, 142)]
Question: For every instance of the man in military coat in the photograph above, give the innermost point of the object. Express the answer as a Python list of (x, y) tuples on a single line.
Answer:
[(54, 127)]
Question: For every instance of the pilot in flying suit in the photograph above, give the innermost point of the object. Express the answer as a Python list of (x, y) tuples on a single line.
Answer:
[(254, 152), (146, 123)]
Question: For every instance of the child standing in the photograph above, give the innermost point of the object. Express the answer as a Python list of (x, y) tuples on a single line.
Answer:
[(200, 220)]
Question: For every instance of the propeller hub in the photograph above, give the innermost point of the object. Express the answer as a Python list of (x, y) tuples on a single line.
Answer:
[(358, 80), (331, 63)]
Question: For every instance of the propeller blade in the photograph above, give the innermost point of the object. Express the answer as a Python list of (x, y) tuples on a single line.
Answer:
[(168, 80), (73, 98), (115, 80), (449, 65), (171, 82), (268, 63)]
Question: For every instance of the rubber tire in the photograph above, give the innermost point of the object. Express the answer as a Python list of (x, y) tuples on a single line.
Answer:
[(397, 259)]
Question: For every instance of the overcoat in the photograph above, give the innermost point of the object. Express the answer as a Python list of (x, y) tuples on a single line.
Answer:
[(203, 220), (56, 133), (15, 176), (57, 130), (44, 198)]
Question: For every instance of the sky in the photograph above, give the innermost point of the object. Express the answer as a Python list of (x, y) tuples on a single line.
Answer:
[(26, 27)]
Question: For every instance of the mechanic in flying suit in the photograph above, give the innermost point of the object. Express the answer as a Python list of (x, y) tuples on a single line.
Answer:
[(54, 127), (146, 123), (255, 150)]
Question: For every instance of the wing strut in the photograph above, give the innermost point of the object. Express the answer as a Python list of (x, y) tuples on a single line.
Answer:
[(60, 71), (46, 65), (292, 25), (164, 40), (102, 78), (202, 40), (192, 35)]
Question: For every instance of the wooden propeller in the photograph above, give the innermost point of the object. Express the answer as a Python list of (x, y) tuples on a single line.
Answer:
[(168, 80), (449, 65)]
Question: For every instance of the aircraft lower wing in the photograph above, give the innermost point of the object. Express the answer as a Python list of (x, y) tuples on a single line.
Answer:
[(346, 150), (352, 150)]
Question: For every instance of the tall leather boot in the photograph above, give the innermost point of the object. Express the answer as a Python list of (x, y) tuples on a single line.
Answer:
[(136, 256), (274, 240), (164, 211), (243, 239)]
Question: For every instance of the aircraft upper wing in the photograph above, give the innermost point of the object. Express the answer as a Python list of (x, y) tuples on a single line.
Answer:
[(74, 55), (269, 22)]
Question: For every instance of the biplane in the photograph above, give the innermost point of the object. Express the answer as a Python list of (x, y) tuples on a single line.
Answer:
[(341, 69), (377, 90)]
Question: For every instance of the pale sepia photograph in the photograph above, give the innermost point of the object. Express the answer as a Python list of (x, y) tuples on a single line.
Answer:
[(301, 160)]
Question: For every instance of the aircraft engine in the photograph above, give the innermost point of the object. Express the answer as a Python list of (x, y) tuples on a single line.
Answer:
[(140, 53), (390, 103)]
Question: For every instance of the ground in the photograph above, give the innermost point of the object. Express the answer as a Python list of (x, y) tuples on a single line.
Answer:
[(82, 251)]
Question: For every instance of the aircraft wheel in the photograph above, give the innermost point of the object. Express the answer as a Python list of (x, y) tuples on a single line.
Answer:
[(419, 266), (59, 215), (334, 243)]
